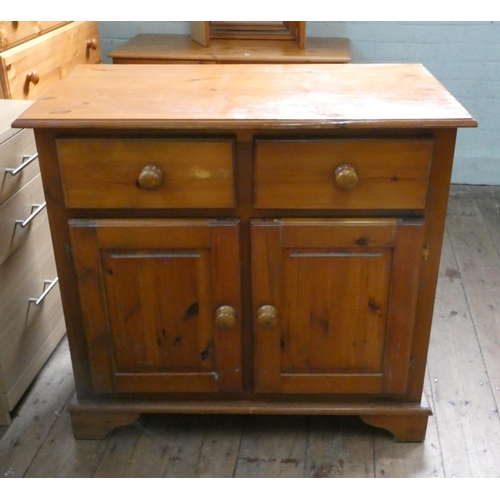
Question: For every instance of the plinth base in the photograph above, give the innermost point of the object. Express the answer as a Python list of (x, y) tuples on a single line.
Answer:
[(407, 422)]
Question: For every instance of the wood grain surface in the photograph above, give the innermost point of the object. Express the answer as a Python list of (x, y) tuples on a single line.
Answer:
[(275, 96), (171, 49)]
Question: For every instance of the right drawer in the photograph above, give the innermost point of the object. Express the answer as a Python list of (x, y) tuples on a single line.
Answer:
[(342, 173)]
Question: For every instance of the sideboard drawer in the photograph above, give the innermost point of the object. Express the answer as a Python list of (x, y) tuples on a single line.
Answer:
[(30, 69), (342, 174), (138, 173), (18, 150)]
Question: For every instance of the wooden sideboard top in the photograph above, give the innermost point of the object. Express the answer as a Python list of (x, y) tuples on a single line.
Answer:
[(223, 96), (162, 48)]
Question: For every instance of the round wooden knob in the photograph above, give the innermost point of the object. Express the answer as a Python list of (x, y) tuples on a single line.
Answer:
[(151, 177), (346, 177), (267, 317), (225, 317), (33, 78), (92, 44)]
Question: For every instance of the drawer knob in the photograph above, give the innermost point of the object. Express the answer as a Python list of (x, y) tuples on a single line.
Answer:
[(225, 317), (92, 44), (33, 78), (346, 177), (267, 317), (151, 177)]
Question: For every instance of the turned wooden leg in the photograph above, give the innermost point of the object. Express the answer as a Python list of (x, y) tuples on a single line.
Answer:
[(409, 429), (97, 425)]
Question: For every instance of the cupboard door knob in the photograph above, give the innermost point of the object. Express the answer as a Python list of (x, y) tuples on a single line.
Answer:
[(33, 78), (346, 177), (267, 317), (150, 177), (225, 317), (92, 44)]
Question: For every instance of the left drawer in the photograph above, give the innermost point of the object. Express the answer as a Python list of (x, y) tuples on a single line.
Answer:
[(30, 69), (144, 173)]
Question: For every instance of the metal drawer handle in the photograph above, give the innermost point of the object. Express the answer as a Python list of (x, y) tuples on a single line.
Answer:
[(52, 284), (38, 209), (26, 161)]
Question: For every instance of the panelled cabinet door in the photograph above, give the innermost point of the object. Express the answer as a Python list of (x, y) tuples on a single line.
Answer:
[(161, 304), (334, 304)]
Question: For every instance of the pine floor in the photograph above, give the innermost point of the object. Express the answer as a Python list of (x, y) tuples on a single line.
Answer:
[(462, 386)]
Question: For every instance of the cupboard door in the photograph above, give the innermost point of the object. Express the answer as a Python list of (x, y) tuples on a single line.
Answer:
[(334, 304), (161, 304)]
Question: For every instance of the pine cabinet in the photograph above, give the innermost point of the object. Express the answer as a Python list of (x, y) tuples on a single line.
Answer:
[(229, 241)]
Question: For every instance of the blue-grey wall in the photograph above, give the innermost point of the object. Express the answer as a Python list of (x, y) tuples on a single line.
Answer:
[(464, 56)]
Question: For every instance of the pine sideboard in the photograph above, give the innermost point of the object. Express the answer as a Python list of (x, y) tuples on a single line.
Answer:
[(259, 239)]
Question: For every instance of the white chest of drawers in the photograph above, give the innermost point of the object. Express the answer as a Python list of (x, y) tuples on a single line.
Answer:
[(29, 331)]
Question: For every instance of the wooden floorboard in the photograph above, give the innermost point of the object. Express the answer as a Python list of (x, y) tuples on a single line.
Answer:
[(273, 446), (462, 385), (339, 447), (463, 329), (37, 414)]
